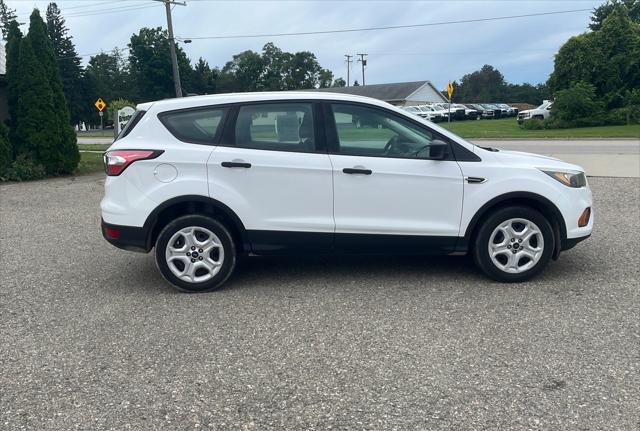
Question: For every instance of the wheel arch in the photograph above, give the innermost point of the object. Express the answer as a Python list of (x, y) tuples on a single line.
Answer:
[(195, 204), (538, 202)]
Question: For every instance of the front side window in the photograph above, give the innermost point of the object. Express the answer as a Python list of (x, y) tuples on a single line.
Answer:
[(199, 126), (276, 127), (364, 131)]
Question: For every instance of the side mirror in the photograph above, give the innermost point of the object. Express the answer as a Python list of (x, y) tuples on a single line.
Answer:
[(438, 150)]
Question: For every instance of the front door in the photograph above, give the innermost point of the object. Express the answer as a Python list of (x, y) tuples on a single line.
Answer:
[(388, 194)]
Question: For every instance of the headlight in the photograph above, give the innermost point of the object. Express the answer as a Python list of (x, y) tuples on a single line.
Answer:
[(569, 179)]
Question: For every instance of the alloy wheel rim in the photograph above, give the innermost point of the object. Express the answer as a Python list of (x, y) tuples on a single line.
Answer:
[(516, 245), (194, 254)]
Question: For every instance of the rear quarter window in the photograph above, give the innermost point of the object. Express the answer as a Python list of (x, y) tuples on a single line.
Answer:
[(201, 126), (133, 122)]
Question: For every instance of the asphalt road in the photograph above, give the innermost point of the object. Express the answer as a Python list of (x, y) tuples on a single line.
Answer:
[(599, 157), (92, 338)]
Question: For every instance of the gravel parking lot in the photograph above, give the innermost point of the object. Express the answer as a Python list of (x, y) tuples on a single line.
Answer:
[(92, 338)]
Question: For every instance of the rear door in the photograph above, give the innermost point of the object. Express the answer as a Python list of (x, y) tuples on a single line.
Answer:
[(388, 194), (273, 171)]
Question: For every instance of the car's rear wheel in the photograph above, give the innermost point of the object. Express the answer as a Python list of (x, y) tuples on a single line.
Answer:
[(514, 244), (195, 253)]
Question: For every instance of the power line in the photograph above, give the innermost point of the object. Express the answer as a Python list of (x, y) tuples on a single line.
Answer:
[(463, 53), (110, 11), (390, 27), (88, 7)]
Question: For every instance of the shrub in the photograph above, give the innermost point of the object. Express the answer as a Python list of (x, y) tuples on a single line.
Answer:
[(577, 103), (5, 149), (24, 169), (533, 124)]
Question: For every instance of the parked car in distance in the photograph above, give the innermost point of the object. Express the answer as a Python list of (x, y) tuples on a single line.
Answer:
[(419, 112), (443, 114), (436, 115), (469, 113), (485, 113), (204, 180), (542, 112), (454, 113), (510, 111), (497, 111)]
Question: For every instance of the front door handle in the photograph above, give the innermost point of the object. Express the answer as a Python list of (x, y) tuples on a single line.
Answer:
[(357, 171), (236, 165)]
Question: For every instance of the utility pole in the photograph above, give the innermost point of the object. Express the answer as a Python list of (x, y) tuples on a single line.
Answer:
[(363, 60), (172, 45), (349, 61)]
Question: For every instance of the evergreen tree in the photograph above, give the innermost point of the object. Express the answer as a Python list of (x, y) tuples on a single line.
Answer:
[(67, 60), (36, 128), (5, 150), (6, 16), (43, 132), (12, 49), (150, 62), (203, 80)]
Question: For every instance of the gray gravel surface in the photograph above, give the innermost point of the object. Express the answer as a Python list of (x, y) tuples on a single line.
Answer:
[(92, 338)]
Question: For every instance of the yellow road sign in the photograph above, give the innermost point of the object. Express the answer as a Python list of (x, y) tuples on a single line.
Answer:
[(100, 104), (449, 89)]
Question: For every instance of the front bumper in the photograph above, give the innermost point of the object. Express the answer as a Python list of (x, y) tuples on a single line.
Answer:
[(569, 243)]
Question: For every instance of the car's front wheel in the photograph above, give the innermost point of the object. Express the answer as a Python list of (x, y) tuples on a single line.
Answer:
[(514, 244), (195, 253)]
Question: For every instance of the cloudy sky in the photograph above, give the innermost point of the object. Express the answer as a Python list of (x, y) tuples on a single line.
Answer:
[(521, 48)]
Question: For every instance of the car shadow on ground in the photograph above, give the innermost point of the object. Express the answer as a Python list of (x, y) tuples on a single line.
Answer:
[(268, 272)]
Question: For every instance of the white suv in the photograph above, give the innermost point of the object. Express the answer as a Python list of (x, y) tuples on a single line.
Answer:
[(208, 179)]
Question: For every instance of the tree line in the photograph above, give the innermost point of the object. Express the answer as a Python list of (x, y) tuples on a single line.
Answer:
[(595, 80), (142, 72), (488, 85)]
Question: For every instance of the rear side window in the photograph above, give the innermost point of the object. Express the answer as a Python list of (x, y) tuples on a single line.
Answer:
[(277, 127), (200, 126), (133, 121)]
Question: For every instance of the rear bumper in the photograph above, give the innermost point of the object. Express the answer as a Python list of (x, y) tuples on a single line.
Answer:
[(126, 237)]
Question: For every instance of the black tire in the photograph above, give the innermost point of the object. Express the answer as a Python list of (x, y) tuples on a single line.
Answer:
[(491, 222), (212, 225)]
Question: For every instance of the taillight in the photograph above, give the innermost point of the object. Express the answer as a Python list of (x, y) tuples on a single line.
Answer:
[(117, 161)]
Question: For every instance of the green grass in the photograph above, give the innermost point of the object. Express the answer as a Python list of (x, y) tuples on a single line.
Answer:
[(96, 134), (94, 147), (89, 162), (509, 128)]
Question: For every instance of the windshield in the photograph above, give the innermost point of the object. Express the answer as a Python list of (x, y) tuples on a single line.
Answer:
[(545, 105)]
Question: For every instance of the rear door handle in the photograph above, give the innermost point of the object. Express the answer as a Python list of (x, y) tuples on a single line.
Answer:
[(357, 171), (236, 165)]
